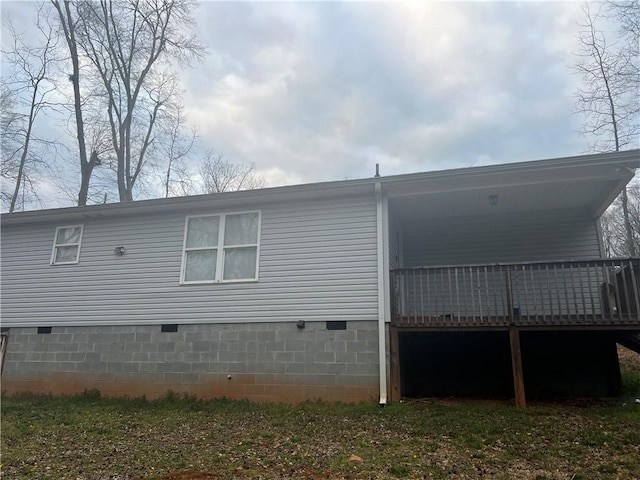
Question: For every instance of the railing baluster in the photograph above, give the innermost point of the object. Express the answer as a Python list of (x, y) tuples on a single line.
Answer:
[(421, 298), (429, 307), (415, 307), (407, 307), (582, 298), (626, 292), (479, 296), (548, 292), (565, 287), (591, 295), (450, 293), (573, 290), (525, 311), (508, 288), (438, 298), (617, 290), (486, 291), (606, 296), (464, 310), (533, 293), (473, 297), (441, 294), (555, 278), (636, 290), (542, 293)]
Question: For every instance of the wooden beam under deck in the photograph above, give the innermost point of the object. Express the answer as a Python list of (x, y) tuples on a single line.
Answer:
[(547, 328), (516, 364), (394, 355), (427, 323)]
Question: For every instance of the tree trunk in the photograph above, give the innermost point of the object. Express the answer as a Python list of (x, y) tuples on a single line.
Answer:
[(631, 247), (84, 184), (69, 26)]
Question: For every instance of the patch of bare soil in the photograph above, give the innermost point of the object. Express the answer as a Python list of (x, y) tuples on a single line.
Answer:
[(190, 475)]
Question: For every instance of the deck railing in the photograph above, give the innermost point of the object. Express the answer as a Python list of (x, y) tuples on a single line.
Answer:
[(602, 292)]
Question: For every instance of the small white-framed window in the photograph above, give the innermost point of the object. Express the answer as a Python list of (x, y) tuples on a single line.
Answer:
[(66, 245), (221, 248)]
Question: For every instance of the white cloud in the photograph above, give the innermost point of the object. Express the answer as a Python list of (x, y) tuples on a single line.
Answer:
[(323, 91)]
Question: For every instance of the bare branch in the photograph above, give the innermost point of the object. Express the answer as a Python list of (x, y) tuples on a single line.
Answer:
[(219, 175), (27, 89), (608, 100)]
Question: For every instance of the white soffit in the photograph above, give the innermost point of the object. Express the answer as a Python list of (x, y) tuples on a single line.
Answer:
[(591, 188)]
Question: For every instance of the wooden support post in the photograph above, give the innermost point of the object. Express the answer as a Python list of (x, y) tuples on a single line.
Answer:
[(516, 364), (514, 340), (394, 354)]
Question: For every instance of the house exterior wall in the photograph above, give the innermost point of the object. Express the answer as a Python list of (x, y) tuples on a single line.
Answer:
[(260, 361), (317, 262), (513, 237)]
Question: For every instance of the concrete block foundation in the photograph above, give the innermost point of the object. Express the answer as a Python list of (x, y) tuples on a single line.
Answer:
[(260, 362)]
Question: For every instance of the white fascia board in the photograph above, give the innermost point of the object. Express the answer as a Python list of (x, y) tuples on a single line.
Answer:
[(474, 179), (602, 162)]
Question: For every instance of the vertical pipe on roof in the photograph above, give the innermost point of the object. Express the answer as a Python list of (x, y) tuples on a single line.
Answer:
[(382, 296)]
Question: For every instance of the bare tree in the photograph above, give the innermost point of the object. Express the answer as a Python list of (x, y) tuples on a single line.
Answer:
[(129, 44), (176, 147), (608, 99), (70, 22), (627, 14), (614, 233), (219, 175), (25, 94)]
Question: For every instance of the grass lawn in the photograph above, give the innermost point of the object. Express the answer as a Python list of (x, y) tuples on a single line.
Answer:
[(88, 437)]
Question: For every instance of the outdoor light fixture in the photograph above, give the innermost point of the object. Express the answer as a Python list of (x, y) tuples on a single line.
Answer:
[(493, 200), (119, 251), (300, 324)]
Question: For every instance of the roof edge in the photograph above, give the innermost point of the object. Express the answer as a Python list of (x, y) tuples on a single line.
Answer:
[(625, 159)]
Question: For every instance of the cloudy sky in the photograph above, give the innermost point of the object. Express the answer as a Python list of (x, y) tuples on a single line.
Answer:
[(325, 90), (321, 91)]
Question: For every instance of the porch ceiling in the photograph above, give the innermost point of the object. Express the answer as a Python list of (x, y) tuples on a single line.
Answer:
[(592, 191)]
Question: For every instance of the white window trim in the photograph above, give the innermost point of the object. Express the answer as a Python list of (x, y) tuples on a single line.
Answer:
[(220, 249), (56, 245)]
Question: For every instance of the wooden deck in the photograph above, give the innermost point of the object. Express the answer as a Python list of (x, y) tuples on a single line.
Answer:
[(602, 293)]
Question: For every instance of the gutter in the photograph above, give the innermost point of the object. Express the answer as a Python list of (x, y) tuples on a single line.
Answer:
[(382, 297)]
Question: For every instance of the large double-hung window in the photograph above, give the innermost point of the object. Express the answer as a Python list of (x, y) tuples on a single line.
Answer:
[(221, 248)]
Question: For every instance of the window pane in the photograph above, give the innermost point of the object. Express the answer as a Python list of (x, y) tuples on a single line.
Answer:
[(200, 266), (68, 235), (241, 229), (240, 263), (202, 232), (66, 254)]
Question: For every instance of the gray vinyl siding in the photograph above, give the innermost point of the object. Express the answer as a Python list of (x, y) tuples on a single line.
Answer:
[(317, 262), (521, 237), (524, 237)]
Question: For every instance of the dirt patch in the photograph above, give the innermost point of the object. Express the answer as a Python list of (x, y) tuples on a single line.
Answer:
[(190, 475)]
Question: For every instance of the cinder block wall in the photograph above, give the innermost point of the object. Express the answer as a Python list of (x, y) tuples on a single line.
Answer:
[(259, 362)]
